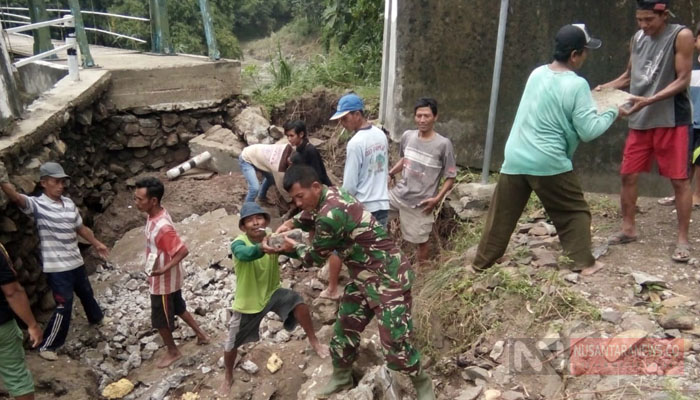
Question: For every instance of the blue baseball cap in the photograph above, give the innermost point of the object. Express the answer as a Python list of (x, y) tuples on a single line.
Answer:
[(348, 103)]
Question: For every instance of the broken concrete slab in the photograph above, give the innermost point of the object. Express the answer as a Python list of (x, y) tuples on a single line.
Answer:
[(224, 147), (644, 279)]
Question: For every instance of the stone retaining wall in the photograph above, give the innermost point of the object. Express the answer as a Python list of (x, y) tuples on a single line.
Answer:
[(100, 149)]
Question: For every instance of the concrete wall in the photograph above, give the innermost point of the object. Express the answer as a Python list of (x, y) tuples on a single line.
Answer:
[(445, 49), (10, 106), (40, 76)]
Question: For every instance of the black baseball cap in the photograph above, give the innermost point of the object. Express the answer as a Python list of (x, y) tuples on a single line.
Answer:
[(575, 37)]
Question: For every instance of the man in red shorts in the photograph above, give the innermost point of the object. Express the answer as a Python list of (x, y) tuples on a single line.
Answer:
[(658, 75)]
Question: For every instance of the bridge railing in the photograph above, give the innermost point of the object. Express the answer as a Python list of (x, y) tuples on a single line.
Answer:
[(70, 47)]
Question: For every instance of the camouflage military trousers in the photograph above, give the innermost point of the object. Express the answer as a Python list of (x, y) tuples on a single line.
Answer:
[(395, 327)]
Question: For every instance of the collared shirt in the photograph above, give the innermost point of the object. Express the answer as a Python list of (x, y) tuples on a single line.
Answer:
[(162, 239), (374, 261), (57, 223)]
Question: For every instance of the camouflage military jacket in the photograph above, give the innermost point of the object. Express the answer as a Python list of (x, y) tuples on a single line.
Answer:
[(342, 224)]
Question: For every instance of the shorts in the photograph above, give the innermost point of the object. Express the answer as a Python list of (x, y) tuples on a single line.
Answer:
[(670, 147), (245, 328), (13, 368), (164, 308), (416, 226)]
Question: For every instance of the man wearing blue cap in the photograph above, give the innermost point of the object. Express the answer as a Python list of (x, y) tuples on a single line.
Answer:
[(367, 159), (58, 223)]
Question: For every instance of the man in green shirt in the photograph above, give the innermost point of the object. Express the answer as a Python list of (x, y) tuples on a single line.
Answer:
[(258, 291), (555, 114)]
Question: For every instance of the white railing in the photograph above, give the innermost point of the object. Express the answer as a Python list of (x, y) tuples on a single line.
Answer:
[(71, 44), (67, 11)]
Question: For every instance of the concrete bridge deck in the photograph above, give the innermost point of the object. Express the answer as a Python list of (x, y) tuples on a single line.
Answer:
[(153, 80)]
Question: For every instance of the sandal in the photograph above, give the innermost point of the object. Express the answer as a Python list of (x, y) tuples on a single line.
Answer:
[(621, 238), (667, 201), (682, 253)]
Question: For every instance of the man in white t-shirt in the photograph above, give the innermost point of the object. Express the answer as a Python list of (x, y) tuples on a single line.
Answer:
[(426, 158)]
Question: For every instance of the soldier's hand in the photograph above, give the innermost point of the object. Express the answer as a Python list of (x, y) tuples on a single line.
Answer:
[(288, 246), (286, 226)]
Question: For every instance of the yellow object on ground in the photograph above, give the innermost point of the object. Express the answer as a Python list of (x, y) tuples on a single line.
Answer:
[(274, 363), (119, 389), (190, 396)]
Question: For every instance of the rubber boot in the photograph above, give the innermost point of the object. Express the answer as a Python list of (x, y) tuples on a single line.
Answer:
[(340, 380), (424, 386)]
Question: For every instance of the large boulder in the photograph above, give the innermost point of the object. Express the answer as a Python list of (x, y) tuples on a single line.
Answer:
[(253, 126)]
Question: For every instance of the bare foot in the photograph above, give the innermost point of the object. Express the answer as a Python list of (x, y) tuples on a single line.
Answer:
[(321, 350), (225, 386), (327, 294), (203, 339), (168, 359), (592, 269)]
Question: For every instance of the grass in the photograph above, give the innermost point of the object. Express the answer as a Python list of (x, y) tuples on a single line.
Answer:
[(461, 307)]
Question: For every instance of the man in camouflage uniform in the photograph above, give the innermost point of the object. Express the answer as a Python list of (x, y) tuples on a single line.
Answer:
[(381, 277)]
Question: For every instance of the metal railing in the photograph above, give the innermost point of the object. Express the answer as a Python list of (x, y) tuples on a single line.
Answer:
[(67, 11), (70, 47)]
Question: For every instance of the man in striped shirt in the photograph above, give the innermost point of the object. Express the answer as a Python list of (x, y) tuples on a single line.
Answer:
[(164, 251), (58, 223)]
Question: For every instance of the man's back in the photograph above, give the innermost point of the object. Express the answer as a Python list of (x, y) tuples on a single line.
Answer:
[(366, 168), (652, 60)]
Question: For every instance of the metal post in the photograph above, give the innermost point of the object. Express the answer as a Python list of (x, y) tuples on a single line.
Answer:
[(80, 34), (209, 30), (73, 70), (160, 27), (495, 85), (42, 36)]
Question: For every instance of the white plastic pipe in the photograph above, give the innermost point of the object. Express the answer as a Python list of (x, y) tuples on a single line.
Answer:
[(187, 165), (73, 66)]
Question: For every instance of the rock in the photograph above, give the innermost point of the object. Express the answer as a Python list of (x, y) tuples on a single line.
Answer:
[(274, 363), (572, 277), (475, 191), (492, 394), (168, 383), (324, 310), (614, 317), (473, 373), (131, 128), (644, 279), (470, 393), (274, 326), (224, 147), (676, 301), (378, 380), (253, 126), (148, 123), (542, 229), (630, 338), (277, 132), (544, 257), (169, 119), (249, 367), (7, 225), (132, 284), (138, 141), (676, 321), (631, 320), (512, 395), (497, 350), (276, 240), (84, 117), (118, 390), (282, 337)]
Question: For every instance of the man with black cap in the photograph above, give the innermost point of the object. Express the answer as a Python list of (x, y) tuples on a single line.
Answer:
[(555, 114), (58, 223), (658, 75)]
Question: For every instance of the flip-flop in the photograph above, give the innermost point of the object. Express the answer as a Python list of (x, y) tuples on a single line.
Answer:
[(621, 238), (667, 201), (682, 253)]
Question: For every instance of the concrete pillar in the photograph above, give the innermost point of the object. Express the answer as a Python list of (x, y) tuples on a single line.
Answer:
[(160, 27), (10, 106), (42, 36)]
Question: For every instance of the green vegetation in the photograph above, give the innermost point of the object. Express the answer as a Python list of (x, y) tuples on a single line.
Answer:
[(454, 304)]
